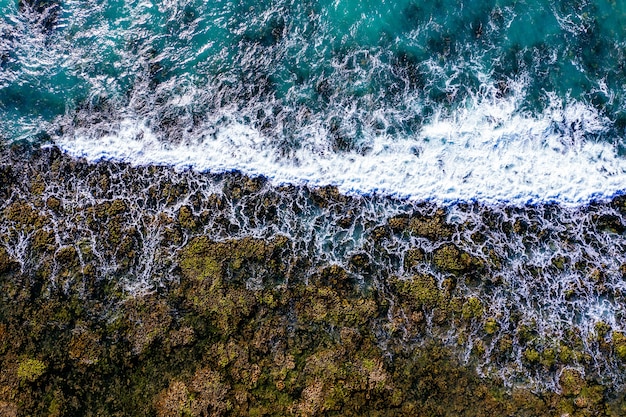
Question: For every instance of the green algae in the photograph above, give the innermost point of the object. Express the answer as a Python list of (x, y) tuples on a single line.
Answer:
[(421, 291), (619, 343), (491, 326), (186, 218), (451, 259), (30, 370), (235, 259), (432, 227), (472, 309)]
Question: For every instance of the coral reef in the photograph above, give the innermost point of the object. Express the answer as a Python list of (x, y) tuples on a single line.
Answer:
[(143, 291)]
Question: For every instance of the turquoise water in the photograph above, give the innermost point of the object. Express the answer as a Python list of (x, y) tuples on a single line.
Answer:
[(315, 53), (329, 77)]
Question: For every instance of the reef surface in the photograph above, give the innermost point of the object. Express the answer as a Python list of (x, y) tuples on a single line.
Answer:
[(130, 291)]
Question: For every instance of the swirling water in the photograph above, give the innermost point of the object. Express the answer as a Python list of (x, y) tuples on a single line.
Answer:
[(518, 101)]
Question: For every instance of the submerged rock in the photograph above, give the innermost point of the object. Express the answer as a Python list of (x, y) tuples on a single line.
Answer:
[(47, 11)]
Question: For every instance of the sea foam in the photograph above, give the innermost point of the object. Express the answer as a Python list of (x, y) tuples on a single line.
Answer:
[(487, 151)]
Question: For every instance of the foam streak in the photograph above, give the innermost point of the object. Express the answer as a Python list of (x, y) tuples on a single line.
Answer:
[(488, 153)]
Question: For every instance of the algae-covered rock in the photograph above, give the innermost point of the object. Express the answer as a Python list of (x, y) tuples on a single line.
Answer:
[(491, 326), (432, 227), (238, 186), (451, 259), (176, 400), (608, 223), (204, 394), (398, 224), (602, 329), (413, 257), (54, 204), (7, 263), (361, 262), (560, 262), (335, 277), (619, 344), (571, 381), (327, 196), (85, 347), (209, 393), (186, 218), (24, 216), (149, 319), (30, 369), (472, 309), (565, 354), (421, 290), (531, 355), (246, 259)]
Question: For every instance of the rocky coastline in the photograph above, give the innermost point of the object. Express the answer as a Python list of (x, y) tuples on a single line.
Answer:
[(145, 291)]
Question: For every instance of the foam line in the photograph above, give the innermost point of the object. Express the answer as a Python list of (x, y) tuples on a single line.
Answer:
[(488, 152)]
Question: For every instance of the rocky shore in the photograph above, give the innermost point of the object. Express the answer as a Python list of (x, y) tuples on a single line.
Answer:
[(145, 291)]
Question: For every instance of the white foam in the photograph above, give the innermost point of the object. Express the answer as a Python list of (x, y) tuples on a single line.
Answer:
[(488, 152)]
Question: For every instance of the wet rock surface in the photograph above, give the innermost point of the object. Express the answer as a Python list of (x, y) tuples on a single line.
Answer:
[(145, 291)]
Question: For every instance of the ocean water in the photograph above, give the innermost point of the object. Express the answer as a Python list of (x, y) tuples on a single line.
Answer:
[(510, 116), (495, 101)]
